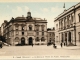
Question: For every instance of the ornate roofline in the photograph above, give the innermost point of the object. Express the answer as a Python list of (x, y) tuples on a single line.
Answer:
[(68, 10)]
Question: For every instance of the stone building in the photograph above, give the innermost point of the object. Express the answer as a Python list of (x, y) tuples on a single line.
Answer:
[(51, 35), (0, 31), (67, 26), (25, 30)]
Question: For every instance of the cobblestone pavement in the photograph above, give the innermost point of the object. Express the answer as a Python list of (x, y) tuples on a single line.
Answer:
[(38, 50)]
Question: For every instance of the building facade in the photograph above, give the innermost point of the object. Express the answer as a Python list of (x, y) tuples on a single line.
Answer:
[(25, 30), (67, 26), (0, 31), (51, 36)]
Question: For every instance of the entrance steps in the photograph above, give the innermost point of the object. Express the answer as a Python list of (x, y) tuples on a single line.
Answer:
[(70, 44)]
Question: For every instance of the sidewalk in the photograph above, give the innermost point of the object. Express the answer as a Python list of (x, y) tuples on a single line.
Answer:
[(69, 47)]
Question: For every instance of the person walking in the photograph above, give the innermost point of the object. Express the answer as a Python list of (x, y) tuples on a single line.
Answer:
[(32, 45), (64, 44), (61, 44)]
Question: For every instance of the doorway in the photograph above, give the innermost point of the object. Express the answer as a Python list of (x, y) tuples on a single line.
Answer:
[(22, 41), (30, 41), (69, 37), (66, 38)]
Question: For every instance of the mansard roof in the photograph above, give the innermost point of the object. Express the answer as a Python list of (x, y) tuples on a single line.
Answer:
[(20, 18), (25, 19)]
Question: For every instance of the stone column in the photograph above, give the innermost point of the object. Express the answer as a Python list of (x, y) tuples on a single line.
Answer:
[(63, 23), (59, 37), (34, 40), (66, 22), (60, 24), (40, 27), (70, 20), (72, 36), (73, 18), (67, 37), (19, 41), (26, 40), (64, 37)]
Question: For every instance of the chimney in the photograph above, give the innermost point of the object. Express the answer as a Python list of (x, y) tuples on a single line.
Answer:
[(5, 21)]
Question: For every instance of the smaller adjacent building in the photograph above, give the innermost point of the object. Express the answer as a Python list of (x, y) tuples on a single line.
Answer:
[(51, 35)]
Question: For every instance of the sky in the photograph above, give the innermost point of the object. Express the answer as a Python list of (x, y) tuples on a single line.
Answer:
[(47, 10)]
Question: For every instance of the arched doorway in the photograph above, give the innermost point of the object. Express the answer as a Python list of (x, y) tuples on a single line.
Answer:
[(23, 41), (30, 41)]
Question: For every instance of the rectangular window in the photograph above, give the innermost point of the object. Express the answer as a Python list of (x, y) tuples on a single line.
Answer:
[(17, 32), (37, 29), (79, 18), (42, 29), (37, 33), (42, 33), (72, 18), (16, 27), (50, 34), (22, 33)]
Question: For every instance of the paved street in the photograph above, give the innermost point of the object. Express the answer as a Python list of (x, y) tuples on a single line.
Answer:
[(38, 50)]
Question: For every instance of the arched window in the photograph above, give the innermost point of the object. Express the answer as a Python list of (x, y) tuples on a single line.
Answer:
[(22, 27), (30, 27), (17, 39), (42, 39)]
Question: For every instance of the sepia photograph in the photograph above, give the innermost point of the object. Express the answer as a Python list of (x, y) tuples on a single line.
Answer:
[(43, 29)]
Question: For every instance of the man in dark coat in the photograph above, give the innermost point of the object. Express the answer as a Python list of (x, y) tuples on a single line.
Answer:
[(61, 44)]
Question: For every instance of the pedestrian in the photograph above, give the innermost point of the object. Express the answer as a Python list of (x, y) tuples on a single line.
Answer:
[(32, 45), (54, 46), (64, 44), (61, 44)]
